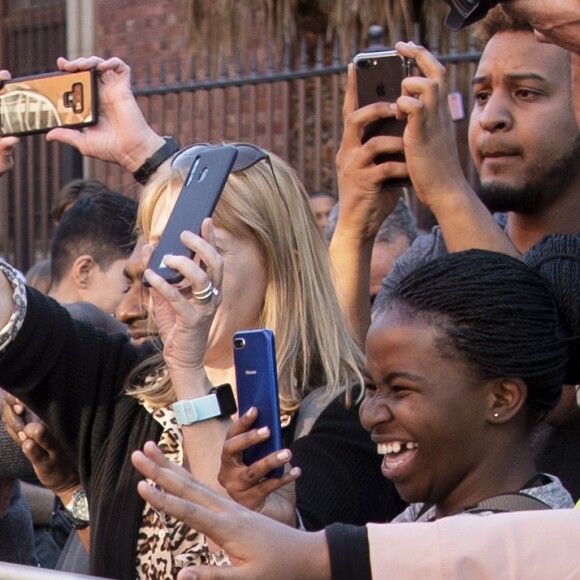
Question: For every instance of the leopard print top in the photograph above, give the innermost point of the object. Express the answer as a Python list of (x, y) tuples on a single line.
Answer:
[(166, 545)]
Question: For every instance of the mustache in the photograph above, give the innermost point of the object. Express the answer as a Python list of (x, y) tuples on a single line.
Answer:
[(493, 149)]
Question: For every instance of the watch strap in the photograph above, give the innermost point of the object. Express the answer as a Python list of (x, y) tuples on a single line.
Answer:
[(217, 404), (151, 164)]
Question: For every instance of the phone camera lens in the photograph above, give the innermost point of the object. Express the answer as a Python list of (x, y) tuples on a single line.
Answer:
[(239, 343), (362, 64)]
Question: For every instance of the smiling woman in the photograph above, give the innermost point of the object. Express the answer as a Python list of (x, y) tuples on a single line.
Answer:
[(465, 357)]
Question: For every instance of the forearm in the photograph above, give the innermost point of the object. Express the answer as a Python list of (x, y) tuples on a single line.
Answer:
[(202, 440), (466, 224), (350, 257)]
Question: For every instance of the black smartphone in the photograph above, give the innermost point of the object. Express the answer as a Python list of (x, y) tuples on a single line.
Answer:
[(39, 103), (196, 201), (378, 78), (257, 386)]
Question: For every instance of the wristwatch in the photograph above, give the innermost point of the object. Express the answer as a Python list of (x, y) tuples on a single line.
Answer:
[(151, 164), (77, 510), (219, 403)]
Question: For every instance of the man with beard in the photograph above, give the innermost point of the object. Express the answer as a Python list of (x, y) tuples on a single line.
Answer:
[(524, 141)]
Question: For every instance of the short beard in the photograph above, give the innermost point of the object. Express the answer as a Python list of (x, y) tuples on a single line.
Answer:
[(544, 187)]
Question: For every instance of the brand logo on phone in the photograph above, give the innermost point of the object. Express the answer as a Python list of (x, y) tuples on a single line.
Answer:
[(380, 89)]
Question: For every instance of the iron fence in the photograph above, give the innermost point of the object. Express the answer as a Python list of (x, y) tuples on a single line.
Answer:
[(291, 106)]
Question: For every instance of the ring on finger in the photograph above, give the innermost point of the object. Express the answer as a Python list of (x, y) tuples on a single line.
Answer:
[(204, 296)]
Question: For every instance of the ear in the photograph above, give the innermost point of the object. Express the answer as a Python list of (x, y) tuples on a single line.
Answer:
[(81, 271), (506, 398)]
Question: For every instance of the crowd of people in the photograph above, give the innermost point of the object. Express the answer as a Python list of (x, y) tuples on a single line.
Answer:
[(425, 380)]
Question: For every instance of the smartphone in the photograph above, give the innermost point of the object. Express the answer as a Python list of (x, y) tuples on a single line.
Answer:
[(37, 104), (196, 201), (257, 386), (378, 78)]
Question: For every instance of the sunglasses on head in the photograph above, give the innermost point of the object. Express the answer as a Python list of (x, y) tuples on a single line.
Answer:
[(248, 156)]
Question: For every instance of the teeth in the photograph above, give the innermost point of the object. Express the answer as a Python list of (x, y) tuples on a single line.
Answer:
[(395, 447)]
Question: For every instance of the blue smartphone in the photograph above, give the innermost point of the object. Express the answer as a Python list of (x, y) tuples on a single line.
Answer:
[(257, 386), (196, 201)]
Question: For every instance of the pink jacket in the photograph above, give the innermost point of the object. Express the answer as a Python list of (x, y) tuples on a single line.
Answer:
[(526, 545)]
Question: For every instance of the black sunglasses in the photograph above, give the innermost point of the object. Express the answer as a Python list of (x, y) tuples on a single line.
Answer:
[(248, 155)]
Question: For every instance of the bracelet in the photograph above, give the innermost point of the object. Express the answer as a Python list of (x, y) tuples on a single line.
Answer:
[(151, 164), (219, 403)]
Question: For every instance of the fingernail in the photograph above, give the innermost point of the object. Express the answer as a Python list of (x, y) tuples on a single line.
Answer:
[(22, 436), (251, 411), (263, 431), (295, 471), (283, 455), (18, 409)]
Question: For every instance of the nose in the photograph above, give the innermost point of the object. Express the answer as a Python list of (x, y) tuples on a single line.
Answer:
[(373, 411), (132, 307), (496, 114)]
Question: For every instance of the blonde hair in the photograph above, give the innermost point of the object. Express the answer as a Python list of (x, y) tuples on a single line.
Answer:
[(313, 346)]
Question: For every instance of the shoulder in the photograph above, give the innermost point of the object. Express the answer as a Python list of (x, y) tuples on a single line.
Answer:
[(552, 493), (415, 512)]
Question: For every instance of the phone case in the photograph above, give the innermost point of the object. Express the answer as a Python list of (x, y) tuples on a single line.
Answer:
[(37, 104), (196, 201), (378, 78), (257, 386)]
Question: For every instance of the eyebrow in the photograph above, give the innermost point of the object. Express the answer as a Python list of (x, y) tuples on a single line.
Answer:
[(391, 376), (513, 77)]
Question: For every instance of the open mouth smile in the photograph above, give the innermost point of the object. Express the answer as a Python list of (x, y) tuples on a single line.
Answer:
[(397, 455)]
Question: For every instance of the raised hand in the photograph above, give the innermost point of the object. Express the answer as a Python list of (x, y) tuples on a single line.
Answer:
[(259, 547), (52, 464), (248, 484), (122, 134)]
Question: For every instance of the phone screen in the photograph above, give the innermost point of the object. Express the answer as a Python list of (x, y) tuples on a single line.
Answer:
[(37, 104)]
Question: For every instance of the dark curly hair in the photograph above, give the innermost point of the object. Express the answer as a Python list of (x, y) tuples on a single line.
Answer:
[(496, 314)]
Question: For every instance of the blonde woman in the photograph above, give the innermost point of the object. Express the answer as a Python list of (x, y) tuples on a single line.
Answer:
[(104, 398)]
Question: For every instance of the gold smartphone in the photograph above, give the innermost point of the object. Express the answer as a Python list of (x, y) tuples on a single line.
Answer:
[(39, 103)]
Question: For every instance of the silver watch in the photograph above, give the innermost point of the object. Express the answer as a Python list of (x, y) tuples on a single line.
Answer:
[(77, 510)]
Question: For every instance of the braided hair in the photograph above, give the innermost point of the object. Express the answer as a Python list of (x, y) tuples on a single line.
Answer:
[(557, 259), (495, 313)]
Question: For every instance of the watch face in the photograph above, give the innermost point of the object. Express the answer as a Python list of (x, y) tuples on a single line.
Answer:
[(80, 506)]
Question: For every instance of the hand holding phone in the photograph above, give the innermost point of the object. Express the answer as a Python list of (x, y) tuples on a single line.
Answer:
[(196, 201), (378, 78), (39, 103), (257, 386)]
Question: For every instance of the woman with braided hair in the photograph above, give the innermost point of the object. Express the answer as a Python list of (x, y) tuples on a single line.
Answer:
[(464, 357)]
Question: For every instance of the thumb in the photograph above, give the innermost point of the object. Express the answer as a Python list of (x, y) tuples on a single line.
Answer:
[(66, 136)]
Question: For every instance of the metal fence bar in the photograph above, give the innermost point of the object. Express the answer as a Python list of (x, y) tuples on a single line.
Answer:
[(293, 110)]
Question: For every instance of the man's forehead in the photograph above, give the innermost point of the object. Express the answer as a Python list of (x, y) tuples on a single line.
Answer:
[(519, 55)]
